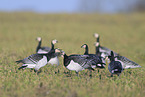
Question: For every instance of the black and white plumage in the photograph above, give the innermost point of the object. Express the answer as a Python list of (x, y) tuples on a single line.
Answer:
[(103, 50), (98, 57), (115, 67), (80, 62), (126, 63), (44, 50), (38, 60)]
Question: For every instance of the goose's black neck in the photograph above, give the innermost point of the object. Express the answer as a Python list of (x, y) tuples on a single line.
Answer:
[(86, 50), (112, 56), (66, 61), (98, 39), (39, 46), (97, 51), (65, 56), (52, 45), (97, 47)]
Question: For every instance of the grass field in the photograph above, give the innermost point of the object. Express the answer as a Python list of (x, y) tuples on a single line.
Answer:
[(123, 33)]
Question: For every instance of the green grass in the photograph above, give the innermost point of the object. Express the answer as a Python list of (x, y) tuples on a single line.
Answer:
[(123, 33)]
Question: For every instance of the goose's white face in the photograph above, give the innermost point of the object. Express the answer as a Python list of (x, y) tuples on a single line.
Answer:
[(96, 44), (84, 46), (39, 38), (57, 51), (54, 41), (96, 35)]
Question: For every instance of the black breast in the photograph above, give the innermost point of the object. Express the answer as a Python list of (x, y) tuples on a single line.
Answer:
[(116, 65)]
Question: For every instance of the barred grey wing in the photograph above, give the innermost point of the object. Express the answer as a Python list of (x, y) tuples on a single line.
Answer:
[(127, 63), (106, 51), (82, 60), (32, 59)]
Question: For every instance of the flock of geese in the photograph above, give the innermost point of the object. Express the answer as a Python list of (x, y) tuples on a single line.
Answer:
[(77, 62)]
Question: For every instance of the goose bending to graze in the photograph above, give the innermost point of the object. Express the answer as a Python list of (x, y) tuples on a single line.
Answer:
[(94, 55), (104, 51), (37, 60), (80, 62), (44, 50), (126, 63), (115, 67)]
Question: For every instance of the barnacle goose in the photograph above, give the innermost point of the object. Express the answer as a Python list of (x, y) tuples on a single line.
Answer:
[(126, 63), (103, 50), (115, 67), (38, 60), (78, 62), (86, 49), (94, 55), (44, 50)]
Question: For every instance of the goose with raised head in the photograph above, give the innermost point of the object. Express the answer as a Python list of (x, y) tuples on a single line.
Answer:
[(44, 50), (85, 46), (37, 60), (98, 50), (103, 50), (114, 67)]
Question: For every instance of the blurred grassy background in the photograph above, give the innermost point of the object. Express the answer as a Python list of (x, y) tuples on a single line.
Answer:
[(123, 33)]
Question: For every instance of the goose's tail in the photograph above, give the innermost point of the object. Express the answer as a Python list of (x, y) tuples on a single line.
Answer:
[(19, 61), (22, 67)]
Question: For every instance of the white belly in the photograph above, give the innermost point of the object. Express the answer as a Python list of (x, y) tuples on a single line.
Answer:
[(40, 51), (29, 65), (41, 63), (53, 61), (74, 66)]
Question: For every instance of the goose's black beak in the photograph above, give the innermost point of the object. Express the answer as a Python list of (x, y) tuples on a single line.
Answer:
[(82, 46)]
